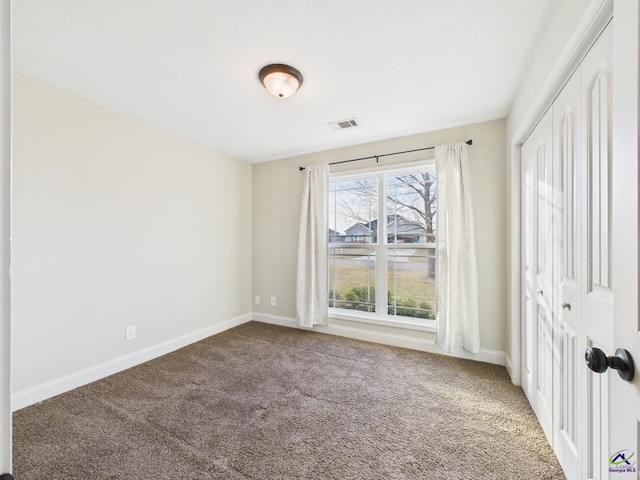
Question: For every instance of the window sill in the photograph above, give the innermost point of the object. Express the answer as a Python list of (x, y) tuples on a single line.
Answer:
[(404, 323)]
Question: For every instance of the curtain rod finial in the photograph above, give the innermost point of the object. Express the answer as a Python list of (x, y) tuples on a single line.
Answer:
[(301, 169), (469, 142)]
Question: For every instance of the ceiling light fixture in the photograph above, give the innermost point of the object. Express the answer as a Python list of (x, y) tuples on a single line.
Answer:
[(280, 80)]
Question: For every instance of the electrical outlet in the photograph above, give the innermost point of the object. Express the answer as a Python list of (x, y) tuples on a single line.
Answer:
[(130, 332), (273, 301), (257, 300)]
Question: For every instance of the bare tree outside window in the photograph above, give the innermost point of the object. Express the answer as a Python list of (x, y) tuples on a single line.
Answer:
[(353, 207), (411, 208)]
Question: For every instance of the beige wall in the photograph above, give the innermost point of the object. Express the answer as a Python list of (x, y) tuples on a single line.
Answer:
[(116, 222), (277, 188)]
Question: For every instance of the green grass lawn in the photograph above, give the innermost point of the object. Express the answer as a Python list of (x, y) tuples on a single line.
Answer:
[(409, 284)]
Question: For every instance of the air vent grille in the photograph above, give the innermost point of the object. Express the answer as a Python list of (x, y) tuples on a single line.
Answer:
[(342, 124)]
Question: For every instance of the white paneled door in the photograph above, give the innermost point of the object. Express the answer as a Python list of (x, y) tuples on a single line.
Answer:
[(597, 300), (620, 459), (537, 271), (569, 378)]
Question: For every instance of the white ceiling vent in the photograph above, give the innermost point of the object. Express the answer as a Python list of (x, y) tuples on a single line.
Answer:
[(342, 124)]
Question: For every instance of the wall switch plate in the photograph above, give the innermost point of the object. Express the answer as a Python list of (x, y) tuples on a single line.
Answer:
[(257, 300), (130, 332), (273, 301)]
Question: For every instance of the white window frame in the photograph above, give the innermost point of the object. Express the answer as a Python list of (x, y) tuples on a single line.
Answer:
[(381, 247)]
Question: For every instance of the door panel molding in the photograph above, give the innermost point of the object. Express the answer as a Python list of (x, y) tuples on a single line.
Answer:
[(599, 128)]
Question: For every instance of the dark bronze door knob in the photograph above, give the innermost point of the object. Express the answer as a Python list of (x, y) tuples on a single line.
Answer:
[(599, 362)]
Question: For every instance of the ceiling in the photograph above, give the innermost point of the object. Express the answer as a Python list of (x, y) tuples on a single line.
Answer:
[(190, 66)]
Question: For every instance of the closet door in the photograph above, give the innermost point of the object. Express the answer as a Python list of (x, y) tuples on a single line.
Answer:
[(598, 294), (537, 268), (567, 284), (569, 381)]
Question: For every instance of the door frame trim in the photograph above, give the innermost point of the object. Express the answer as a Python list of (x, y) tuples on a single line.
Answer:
[(5, 242)]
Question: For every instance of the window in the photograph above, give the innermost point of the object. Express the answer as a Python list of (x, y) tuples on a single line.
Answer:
[(384, 268)]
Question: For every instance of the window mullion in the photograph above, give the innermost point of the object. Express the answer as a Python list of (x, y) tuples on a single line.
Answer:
[(381, 249)]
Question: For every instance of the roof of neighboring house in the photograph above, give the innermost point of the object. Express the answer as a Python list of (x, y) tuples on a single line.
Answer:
[(400, 224)]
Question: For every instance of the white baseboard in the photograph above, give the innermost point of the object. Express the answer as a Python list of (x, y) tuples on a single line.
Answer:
[(60, 385), (396, 340)]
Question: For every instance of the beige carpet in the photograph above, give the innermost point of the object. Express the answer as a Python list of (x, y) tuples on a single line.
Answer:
[(266, 402)]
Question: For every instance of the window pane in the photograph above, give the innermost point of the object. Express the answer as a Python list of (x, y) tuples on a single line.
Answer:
[(412, 288), (353, 211), (352, 278), (411, 208)]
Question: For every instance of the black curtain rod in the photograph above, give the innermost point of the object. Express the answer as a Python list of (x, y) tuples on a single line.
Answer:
[(468, 142)]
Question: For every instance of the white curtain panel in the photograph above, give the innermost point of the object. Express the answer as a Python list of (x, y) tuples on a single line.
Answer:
[(312, 284), (456, 267)]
